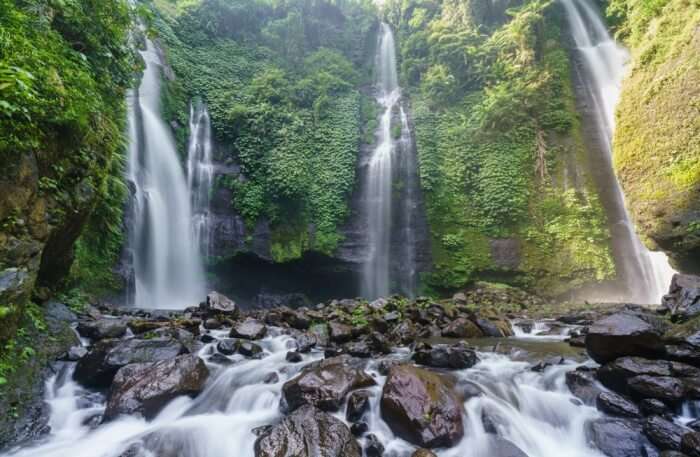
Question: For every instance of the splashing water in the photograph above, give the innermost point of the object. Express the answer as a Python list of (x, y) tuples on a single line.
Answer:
[(647, 275), (167, 268), (200, 173)]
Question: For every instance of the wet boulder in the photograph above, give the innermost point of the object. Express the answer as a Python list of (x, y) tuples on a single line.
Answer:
[(251, 350), (228, 346), (404, 333), (219, 304), (358, 403), (614, 375), (582, 383), (683, 298), (625, 334), (103, 328), (456, 356), (325, 384), (421, 407), (654, 407), (665, 434), (617, 437), (616, 405), (462, 328), (665, 388), (339, 333), (305, 433), (690, 444), (373, 447), (145, 388), (491, 328), (105, 358), (249, 329)]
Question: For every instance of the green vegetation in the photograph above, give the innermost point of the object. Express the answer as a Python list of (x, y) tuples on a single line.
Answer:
[(281, 81), (497, 133), (657, 140)]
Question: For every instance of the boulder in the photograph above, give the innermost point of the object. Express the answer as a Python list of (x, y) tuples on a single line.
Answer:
[(421, 407), (358, 403), (145, 388), (616, 405), (665, 388), (249, 329), (616, 437), (220, 304), (625, 334), (305, 342), (489, 328), (457, 356), (373, 447), (404, 333), (293, 357), (654, 407), (305, 433), (325, 384), (690, 444), (665, 434), (228, 346), (106, 357), (102, 328), (248, 349), (683, 298), (615, 374), (339, 333), (462, 328), (582, 383)]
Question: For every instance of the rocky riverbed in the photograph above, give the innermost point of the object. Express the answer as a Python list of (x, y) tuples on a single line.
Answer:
[(483, 374)]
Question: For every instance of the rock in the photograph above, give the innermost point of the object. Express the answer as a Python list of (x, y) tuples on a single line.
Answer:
[(308, 432), (378, 304), (106, 357), (145, 388), (212, 324), (374, 447), (305, 342), (663, 433), (462, 328), (249, 329), (358, 402), (325, 384), (582, 384), (228, 346), (695, 425), (457, 356), (76, 353), (271, 378), (489, 328), (296, 319), (220, 304), (293, 357), (616, 405), (615, 374), (460, 298), (391, 317), (654, 407), (219, 359), (625, 334), (102, 328), (339, 333), (423, 453), (683, 298), (664, 388), (320, 333), (421, 407), (616, 437), (404, 333), (379, 343), (248, 349), (359, 428), (503, 448), (690, 444), (358, 349)]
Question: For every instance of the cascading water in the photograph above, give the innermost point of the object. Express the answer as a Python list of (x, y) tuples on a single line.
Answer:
[(200, 173), (167, 270), (646, 275), (384, 226)]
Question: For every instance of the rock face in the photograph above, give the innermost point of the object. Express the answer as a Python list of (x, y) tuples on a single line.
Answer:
[(625, 334), (305, 433), (325, 384), (144, 388), (683, 298), (421, 407)]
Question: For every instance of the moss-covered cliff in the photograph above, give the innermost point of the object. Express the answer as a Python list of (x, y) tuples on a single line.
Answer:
[(502, 161), (657, 141), (64, 67)]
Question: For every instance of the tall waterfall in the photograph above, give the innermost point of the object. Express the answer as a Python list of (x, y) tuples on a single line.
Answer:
[(646, 274), (200, 173), (167, 269), (383, 225)]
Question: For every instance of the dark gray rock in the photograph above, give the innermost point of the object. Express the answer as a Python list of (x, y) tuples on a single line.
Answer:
[(664, 433), (248, 349), (145, 388), (456, 356), (617, 437), (293, 357), (373, 447), (616, 405), (249, 329), (228, 346), (683, 298), (690, 444), (625, 334), (421, 407), (358, 403), (219, 304), (664, 388), (102, 328), (582, 383), (654, 407), (339, 333), (325, 385), (308, 432), (462, 328)]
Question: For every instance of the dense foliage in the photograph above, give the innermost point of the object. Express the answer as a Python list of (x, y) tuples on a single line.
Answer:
[(497, 133), (657, 140), (281, 80)]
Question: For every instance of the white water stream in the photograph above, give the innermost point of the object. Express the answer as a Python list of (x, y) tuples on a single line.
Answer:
[(647, 274), (200, 173), (167, 267)]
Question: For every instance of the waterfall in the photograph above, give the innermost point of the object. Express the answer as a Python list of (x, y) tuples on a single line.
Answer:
[(200, 173), (646, 275), (383, 226), (167, 270)]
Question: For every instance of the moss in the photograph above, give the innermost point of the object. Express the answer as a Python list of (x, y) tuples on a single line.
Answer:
[(657, 139)]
